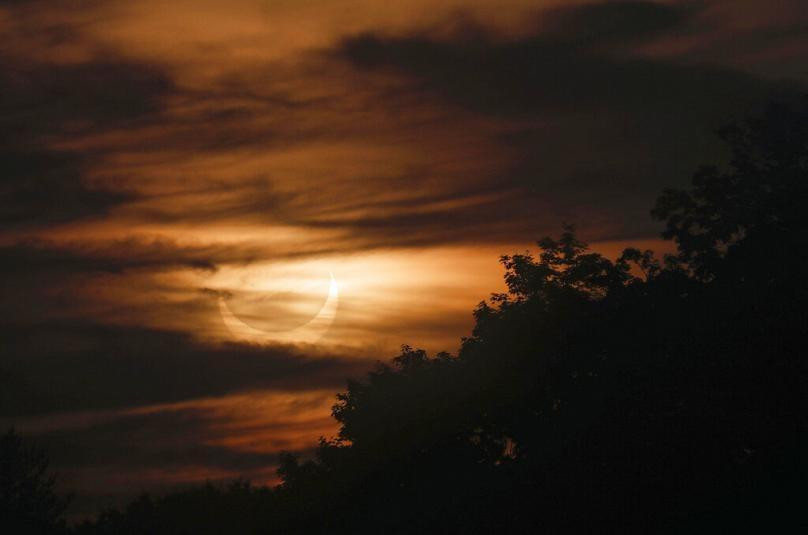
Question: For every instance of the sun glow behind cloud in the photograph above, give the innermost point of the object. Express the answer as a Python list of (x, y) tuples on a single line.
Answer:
[(386, 297)]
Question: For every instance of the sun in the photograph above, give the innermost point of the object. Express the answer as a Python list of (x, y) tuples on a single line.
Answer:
[(311, 332)]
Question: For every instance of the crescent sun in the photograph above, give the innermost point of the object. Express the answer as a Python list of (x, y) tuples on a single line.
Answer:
[(310, 332)]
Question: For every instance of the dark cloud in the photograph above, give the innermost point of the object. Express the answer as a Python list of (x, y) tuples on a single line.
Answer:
[(565, 67), (65, 367), (106, 462), (32, 257), (41, 187), (615, 23), (599, 128), (170, 438), (43, 280), (40, 103), (769, 39), (39, 99)]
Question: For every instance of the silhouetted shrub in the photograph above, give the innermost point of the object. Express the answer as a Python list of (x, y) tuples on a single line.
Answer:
[(28, 503)]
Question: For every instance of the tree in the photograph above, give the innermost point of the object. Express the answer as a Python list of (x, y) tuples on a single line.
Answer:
[(28, 503), (753, 212)]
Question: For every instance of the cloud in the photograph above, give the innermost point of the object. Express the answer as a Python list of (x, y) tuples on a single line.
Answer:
[(45, 280), (75, 366), (169, 438), (579, 83), (157, 254), (107, 456), (582, 81), (596, 126), (45, 99), (568, 65), (42, 185)]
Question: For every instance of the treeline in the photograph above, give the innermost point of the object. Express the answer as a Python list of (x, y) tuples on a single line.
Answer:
[(640, 394)]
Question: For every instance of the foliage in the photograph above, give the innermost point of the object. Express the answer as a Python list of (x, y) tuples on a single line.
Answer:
[(28, 503), (236, 508), (754, 209)]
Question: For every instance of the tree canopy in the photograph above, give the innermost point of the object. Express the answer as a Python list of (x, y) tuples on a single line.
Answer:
[(28, 502)]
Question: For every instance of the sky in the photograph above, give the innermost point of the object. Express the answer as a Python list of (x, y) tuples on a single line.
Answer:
[(213, 213)]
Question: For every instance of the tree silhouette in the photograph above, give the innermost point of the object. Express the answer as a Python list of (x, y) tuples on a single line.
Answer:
[(216, 509), (28, 503), (752, 212)]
